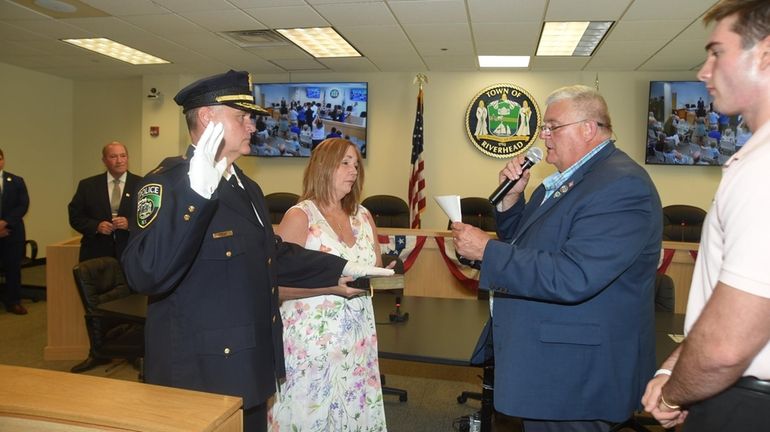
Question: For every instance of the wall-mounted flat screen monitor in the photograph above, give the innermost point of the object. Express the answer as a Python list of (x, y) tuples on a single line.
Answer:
[(303, 114), (684, 127)]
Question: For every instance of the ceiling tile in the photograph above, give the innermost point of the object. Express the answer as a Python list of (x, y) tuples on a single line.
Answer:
[(124, 8), (10, 49), (9, 32), (56, 29), (558, 63), (666, 10), (586, 10), (289, 51), (451, 63), (340, 15), (624, 55), (352, 64), (491, 11), (429, 12), (10, 11), (678, 55), (245, 4), (432, 39), (393, 35), (324, 2), (287, 17), (197, 5), (299, 64), (166, 24), (494, 38), (227, 20), (633, 31)]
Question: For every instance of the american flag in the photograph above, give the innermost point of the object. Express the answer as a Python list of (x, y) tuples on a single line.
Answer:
[(416, 180)]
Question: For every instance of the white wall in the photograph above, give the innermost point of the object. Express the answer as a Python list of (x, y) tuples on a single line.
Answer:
[(453, 165), (105, 111), (55, 128), (36, 120)]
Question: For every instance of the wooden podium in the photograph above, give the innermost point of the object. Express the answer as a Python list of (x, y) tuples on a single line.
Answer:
[(67, 336), (44, 400)]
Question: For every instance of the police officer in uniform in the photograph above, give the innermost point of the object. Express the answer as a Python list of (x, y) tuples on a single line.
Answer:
[(203, 249)]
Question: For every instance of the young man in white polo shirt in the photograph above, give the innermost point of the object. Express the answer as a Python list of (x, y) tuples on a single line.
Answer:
[(719, 378)]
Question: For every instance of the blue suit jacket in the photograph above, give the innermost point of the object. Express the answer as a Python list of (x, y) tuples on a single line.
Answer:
[(573, 314), (14, 207)]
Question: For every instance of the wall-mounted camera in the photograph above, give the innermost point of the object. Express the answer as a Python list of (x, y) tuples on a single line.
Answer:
[(153, 94)]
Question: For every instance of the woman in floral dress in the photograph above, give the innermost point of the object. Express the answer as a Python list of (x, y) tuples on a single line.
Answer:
[(330, 342)]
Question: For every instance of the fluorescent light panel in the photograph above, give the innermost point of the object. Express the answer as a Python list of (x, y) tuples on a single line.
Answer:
[(320, 42), (572, 38), (116, 50), (504, 61)]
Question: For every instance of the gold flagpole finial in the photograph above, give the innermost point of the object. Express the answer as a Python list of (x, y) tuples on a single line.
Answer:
[(421, 79), (596, 81)]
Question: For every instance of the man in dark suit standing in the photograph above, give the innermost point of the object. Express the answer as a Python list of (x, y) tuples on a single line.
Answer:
[(14, 202), (101, 205), (572, 276), (202, 247)]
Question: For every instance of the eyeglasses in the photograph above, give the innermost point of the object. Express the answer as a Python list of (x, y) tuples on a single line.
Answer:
[(548, 130)]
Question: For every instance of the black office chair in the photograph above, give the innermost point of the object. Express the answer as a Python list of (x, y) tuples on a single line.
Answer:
[(388, 211), (477, 212), (278, 203), (100, 280), (683, 223)]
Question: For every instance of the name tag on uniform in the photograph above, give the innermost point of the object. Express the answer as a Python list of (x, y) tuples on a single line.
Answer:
[(222, 234)]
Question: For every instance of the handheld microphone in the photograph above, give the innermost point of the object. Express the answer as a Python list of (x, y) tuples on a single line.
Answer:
[(534, 155)]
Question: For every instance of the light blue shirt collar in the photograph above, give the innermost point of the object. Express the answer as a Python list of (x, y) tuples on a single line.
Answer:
[(555, 180)]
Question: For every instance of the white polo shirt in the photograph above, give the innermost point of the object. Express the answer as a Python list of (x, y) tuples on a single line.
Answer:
[(735, 243)]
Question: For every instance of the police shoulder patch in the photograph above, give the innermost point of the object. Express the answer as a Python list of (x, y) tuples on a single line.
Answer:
[(148, 204)]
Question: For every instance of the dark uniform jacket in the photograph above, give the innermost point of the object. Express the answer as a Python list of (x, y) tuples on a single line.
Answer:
[(90, 206), (15, 203), (212, 272)]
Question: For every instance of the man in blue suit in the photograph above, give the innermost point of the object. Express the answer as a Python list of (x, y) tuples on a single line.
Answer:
[(14, 203), (572, 276)]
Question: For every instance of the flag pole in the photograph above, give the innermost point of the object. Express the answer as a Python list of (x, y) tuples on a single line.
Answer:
[(416, 179)]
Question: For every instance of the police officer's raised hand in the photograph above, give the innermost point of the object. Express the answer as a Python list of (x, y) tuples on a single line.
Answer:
[(205, 171)]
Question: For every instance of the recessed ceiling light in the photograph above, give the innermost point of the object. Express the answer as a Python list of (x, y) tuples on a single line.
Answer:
[(571, 38), (116, 50), (504, 61), (320, 42)]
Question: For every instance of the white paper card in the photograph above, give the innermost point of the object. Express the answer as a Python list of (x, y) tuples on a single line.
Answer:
[(451, 206)]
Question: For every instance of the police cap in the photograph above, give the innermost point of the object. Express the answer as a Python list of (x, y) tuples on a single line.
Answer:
[(232, 88)]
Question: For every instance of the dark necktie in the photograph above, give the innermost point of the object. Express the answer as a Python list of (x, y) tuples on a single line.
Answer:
[(115, 199)]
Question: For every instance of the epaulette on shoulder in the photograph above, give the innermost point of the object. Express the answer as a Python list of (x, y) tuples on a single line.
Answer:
[(168, 164)]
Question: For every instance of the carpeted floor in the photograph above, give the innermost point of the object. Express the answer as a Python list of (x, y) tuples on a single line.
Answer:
[(433, 389)]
